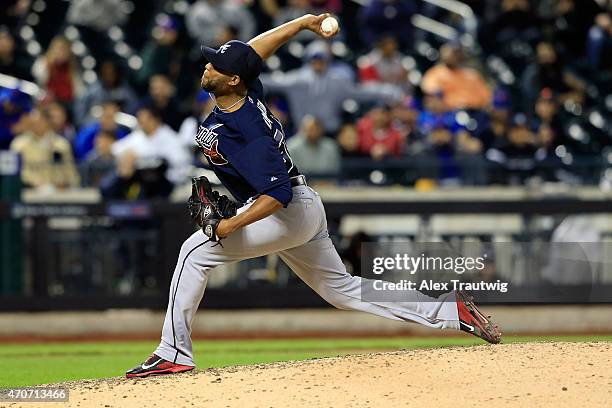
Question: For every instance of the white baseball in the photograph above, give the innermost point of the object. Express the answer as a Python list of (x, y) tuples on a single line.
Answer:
[(329, 25)]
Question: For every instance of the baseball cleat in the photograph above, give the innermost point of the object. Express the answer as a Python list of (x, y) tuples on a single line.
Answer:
[(156, 366), (471, 320)]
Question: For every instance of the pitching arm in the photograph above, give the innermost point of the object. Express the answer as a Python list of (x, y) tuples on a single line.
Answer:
[(266, 44)]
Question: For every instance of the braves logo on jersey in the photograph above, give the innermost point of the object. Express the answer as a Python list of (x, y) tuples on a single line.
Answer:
[(209, 143)]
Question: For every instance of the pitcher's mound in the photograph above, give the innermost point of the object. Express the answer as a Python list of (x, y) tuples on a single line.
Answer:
[(509, 375)]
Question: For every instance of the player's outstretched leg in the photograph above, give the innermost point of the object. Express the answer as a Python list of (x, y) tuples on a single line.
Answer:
[(318, 264)]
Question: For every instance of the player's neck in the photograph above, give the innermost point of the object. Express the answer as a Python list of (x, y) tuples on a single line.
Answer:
[(230, 103)]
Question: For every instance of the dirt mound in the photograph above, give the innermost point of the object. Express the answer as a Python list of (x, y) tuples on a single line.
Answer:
[(509, 375)]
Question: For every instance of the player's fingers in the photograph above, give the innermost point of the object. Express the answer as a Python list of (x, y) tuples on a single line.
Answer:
[(320, 19)]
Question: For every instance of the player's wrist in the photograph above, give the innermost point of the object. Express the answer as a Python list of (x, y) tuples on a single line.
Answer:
[(224, 228), (305, 21)]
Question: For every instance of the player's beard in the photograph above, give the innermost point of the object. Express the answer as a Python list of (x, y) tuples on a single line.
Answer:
[(208, 85), (216, 87)]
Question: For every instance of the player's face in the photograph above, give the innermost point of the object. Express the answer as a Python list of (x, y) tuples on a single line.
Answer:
[(214, 81)]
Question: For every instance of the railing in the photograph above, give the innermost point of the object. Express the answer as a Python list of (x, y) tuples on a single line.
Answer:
[(118, 254)]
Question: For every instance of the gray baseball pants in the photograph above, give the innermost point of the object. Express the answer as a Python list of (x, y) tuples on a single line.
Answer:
[(298, 233)]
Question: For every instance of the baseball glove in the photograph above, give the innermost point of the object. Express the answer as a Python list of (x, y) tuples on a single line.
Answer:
[(207, 207)]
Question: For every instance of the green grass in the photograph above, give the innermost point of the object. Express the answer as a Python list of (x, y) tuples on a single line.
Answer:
[(40, 363)]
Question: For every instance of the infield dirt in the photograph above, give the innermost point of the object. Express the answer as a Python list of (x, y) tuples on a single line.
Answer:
[(512, 375)]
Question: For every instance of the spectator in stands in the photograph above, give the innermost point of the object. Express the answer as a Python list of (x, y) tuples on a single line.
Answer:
[(110, 85), (292, 10), (273, 7), (443, 164), (162, 53), (521, 140), (14, 105), (98, 15), (320, 49), (84, 140), (384, 64), (13, 12), (492, 129), (469, 155), (46, 156), (405, 118), (571, 25), (227, 33), (60, 121), (501, 106), (513, 159), (548, 162), (352, 253), (435, 111), (387, 17), (280, 109), (462, 87), (599, 44), (495, 133), (515, 23), (317, 90), (58, 72), (548, 72), (203, 105), (12, 62), (162, 97), (377, 135), (100, 162), (313, 153), (155, 140), (545, 72), (205, 18), (136, 180), (547, 111), (94, 18), (348, 141)]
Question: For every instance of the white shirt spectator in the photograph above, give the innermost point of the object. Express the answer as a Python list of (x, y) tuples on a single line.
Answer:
[(163, 143), (99, 15), (187, 131), (206, 18)]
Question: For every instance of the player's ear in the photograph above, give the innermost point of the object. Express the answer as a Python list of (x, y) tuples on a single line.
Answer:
[(235, 80)]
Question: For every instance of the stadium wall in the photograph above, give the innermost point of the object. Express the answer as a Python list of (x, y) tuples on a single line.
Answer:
[(141, 324)]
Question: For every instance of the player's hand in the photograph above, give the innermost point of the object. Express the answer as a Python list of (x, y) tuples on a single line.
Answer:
[(224, 228), (313, 23)]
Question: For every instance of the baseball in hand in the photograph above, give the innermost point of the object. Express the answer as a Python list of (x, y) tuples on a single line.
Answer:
[(329, 25)]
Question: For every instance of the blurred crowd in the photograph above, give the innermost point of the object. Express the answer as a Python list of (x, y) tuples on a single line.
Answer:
[(523, 93)]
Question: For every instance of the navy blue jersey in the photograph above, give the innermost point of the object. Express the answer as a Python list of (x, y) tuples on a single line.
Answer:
[(246, 149)]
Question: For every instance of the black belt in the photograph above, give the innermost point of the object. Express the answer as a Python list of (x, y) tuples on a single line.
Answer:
[(298, 181)]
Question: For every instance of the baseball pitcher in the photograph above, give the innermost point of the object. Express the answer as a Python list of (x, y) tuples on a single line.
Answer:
[(245, 145)]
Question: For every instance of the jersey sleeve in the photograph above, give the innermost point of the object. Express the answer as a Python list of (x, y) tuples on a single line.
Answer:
[(261, 165)]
